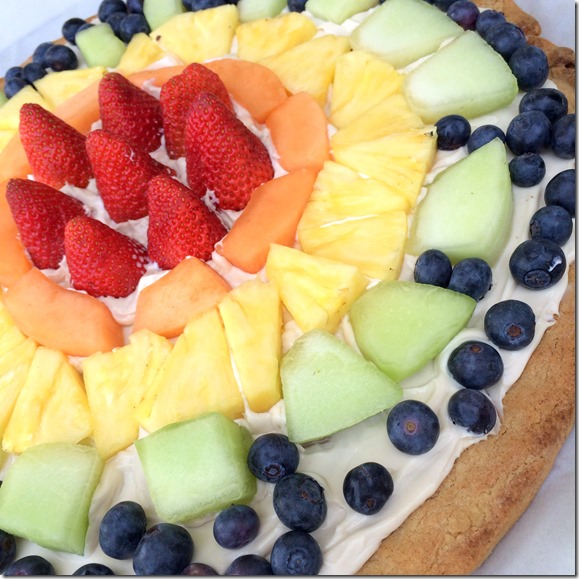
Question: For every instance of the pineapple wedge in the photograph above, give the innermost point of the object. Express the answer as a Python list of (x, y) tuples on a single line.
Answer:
[(142, 51), (57, 87), (252, 317), (10, 112), (269, 37), (196, 377), (316, 291)]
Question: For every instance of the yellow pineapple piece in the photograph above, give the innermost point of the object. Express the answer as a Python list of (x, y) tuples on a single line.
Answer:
[(57, 87), (142, 51), (198, 36), (196, 377), (10, 112), (10, 334), (251, 315), (316, 291), (309, 66), (268, 37), (361, 81), (51, 406)]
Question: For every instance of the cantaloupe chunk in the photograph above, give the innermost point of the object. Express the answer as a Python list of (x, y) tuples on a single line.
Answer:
[(271, 216), (189, 289), (13, 160), (157, 77), (66, 320), (299, 131), (254, 86)]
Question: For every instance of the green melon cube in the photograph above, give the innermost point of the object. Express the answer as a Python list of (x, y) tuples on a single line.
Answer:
[(100, 46)]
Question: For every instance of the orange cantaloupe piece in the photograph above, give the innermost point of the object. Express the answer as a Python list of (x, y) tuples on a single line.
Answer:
[(158, 77), (255, 87), (271, 216), (168, 304), (73, 322), (299, 131)]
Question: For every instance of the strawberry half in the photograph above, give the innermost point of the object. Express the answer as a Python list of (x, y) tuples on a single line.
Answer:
[(102, 261), (41, 213), (180, 224), (122, 174), (178, 93), (222, 154), (129, 112), (55, 150)]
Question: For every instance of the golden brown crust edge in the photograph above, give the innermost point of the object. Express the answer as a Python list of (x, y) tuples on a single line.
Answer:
[(493, 482)]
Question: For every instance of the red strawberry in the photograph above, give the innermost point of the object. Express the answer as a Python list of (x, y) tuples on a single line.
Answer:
[(102, 261), (177, 95), (40, 213), (222, 154), (55, 150), (122, 174), (180, 224), (129, 112)]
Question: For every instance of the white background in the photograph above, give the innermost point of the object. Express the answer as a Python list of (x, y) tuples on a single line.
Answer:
[(543, 542)]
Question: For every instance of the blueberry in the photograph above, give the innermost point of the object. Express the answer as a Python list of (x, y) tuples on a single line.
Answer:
[(109, 7), (132, 24), (249, 565), (483, 135), (296, 553), (433, 267), (30, 565), (475, 365), (453, 131), (487, 20), (7, 549), (510, 324), (472, 276), (60, 57), (560, 190), (464, 13), (94, 569), (529, 132), (195, 5), (367, 488), (121, 529), (530, 67), (135, 6), (296, 5), (14, 86), (33, 72), (39, 54), (443, 5), (472, 410), (552, 222), (550, 101), (563, 137), (70, 27), (165, 549), (115, 20), (412, 427), (537, 263), (83, 27), (299, 502), (505, 39), (13, 72), (527, 169), (200, 569), (236, 526), (272, 456)]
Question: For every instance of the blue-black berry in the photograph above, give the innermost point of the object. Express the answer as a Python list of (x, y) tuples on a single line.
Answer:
[(487, 20), (563, 137), (472, 410), (475, 365), (433, 267), (296, 5), (272, 456), (551, 222), (135, 6), (560, 190), (195, 5), (537, 263), (109, 7), (483, 135), (367, 488), (121, 529), (412, 427), (7, 549), (236, 526), (60, 57), (296, 553), (472, 276), (527, 170), (550, 101), (70, 28), (94, 569), (39, 54), (530, 67), (30, 565), (199, 569), (33, 72), (249, 565), (14, 86), (506, 38), (464, 13), (133, 24), (529, 132), (510, 324), (452, 132)]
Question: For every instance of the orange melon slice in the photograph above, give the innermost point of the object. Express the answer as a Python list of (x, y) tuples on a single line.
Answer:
[(157, 77)]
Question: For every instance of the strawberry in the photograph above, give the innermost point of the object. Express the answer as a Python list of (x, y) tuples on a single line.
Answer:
[(122, 174), (129, 112), (180, 224), (222, 154), (177, 95), (40, 213), (55, 150), (102, 261)]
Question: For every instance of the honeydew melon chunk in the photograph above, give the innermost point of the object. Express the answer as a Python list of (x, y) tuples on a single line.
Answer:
[(338, 10), (402, 31), (197, 466), (47, 492), (157, 12), (99, 46), (401, 326), (466, 77), (328, 387), (468, 208), (256, 9)]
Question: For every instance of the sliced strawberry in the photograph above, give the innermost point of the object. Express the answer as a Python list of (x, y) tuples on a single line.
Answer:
[(129, 112), (40, 213), (122, 174), (180, 224), (55, 150), (102, 261), (222, 154), (177, 95)]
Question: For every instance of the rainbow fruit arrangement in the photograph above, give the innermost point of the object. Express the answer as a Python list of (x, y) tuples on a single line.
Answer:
[(273, 187)]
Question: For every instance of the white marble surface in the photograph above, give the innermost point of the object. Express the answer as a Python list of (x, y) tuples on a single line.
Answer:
[(543, 542)]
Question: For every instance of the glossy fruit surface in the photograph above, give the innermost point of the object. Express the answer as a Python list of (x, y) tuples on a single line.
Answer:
[(506, 39), (40, 52), (452, 132), (529, 132), (133, 24), (487, 19), (7, 550), (527, 170), (472, 410), (272, 456), (413, 427), (199, 569), (530, 67), (537, 263), (433, 267), (30, 565), (550, 101), (33, 72), (475, 365), (249, 565), (367, 487), (551, 222), (560, 190), (510, 324), (70, 28), (121, 529), (236, 526), (94, 569), (483, 135), (296, 553), (464, 13), (109, 7), (60, 57), (563, 137)]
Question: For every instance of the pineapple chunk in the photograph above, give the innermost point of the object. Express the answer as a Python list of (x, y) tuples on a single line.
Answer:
[(116, 382), (317, 291), (51, 407), (309, 66), (361, 81), (10, 112), (57, 87), (10, 334), (141, 52), (268, 37), (196, 377), (199, 36), (251, 314)]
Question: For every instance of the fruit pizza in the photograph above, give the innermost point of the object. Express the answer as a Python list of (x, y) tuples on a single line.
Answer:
[(280, 283)]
